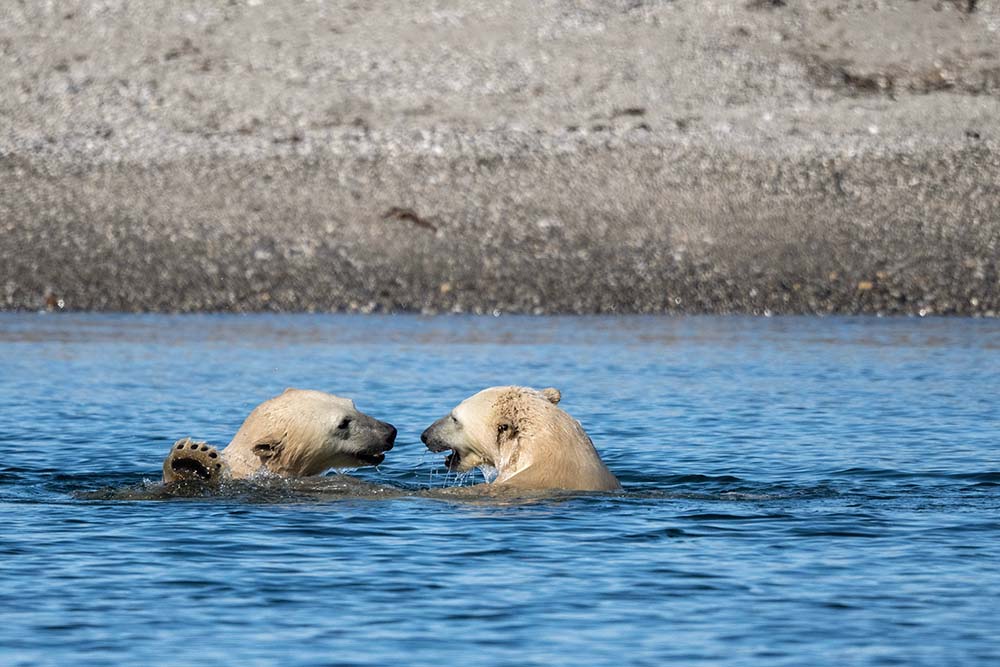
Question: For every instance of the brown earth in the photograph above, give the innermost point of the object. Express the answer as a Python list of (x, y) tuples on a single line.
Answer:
[(532, 156)]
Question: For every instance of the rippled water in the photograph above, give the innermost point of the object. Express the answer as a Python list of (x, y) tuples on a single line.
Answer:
[(800, 491)]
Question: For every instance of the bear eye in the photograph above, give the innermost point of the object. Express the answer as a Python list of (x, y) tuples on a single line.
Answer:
[(344, 423), (502, 427)]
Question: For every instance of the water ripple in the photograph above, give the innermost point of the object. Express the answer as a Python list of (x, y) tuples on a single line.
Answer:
[(818, 491)]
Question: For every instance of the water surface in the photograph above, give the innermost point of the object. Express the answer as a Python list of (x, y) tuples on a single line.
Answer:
[(797, 491)]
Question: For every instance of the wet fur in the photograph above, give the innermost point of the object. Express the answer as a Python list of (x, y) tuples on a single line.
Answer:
[(296, 434), (521, 432)]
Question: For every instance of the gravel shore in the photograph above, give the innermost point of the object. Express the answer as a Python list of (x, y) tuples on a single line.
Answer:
[(522, 156)]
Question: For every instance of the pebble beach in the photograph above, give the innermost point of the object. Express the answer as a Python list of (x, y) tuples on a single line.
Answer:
[(621, 156)]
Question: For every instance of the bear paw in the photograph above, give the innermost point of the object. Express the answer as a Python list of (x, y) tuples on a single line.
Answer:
[(190, 460)]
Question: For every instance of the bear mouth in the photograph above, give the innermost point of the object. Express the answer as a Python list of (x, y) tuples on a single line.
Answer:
[(370, 459), (453, 460)]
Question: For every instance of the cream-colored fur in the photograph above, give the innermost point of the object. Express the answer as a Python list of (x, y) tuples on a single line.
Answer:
[(522, 433), (299, 433)]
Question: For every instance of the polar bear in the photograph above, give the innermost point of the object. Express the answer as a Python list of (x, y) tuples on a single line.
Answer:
[(522, 433), (299, 433)]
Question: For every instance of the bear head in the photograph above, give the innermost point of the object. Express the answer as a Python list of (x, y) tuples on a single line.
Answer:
[(305, 432), (486, 429)]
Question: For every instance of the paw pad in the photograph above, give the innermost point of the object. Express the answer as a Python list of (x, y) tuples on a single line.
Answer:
[(192, 460)]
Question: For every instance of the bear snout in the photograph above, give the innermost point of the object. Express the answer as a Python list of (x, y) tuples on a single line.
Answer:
[(430, 438), (382, 435), (390, 438)]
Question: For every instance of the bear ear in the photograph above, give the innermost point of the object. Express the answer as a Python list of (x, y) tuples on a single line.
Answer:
[(552, 395), (267, 450)]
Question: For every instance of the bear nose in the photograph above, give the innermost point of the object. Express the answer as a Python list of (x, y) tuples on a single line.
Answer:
[(423, 437), (392, 435)]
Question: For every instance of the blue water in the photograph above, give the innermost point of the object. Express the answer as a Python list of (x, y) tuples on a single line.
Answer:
[(797, 491)]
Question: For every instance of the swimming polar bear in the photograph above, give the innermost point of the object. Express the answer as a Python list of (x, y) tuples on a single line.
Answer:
[(299, 433), (522, 433)]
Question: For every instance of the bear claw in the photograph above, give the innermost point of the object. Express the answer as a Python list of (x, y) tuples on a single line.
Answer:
[(190, 460)]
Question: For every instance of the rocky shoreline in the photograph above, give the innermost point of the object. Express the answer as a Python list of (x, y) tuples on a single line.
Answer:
[(547, 158)]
